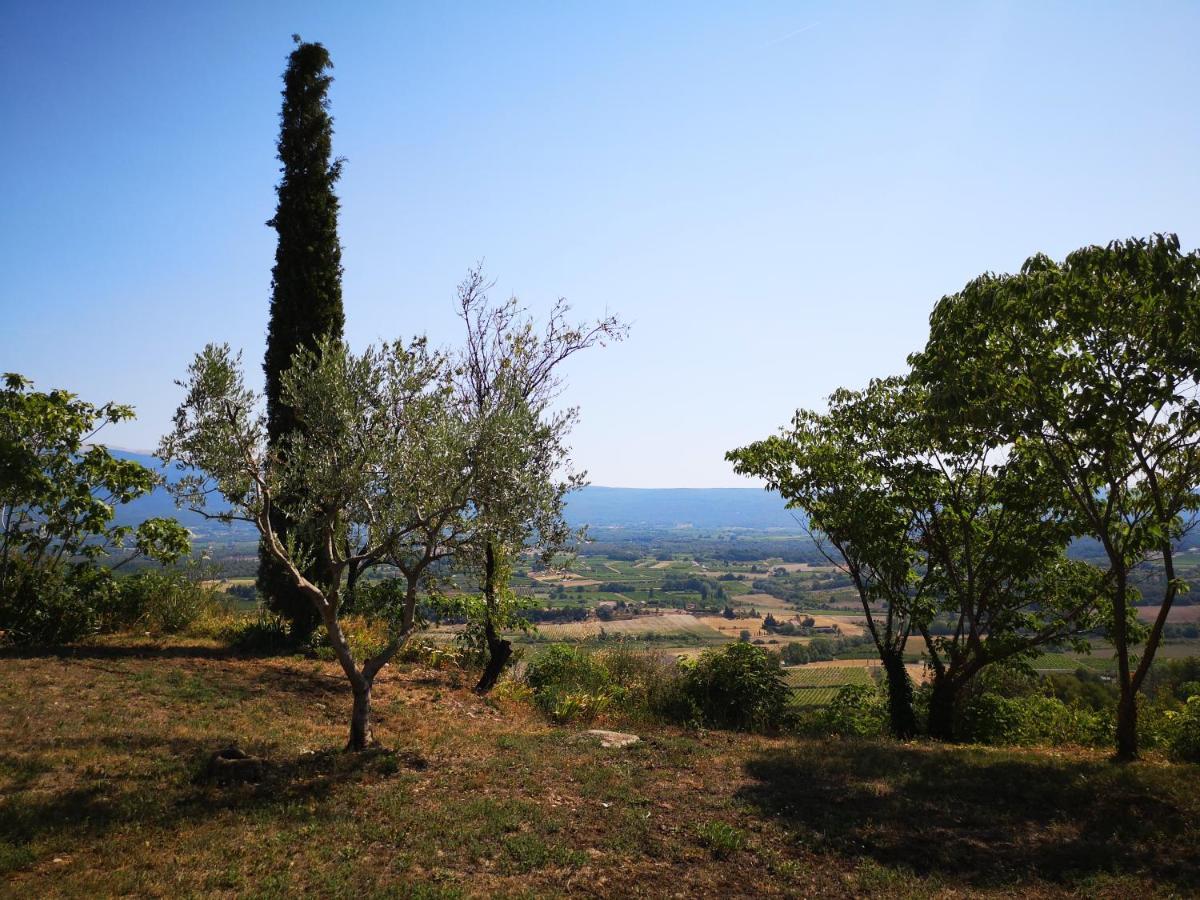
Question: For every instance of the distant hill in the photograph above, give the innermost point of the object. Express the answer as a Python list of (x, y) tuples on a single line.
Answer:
[(705, 508), (674, 507)]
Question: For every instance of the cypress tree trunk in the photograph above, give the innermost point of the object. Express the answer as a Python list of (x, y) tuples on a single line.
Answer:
[(902, 719), (306, 282)]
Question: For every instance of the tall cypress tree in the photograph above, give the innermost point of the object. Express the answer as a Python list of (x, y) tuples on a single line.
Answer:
[(306, 282)]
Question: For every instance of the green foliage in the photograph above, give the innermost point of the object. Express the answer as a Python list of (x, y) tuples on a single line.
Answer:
[(1090, 366), (990, 718), (1183, 732), (58, 493), (855, 710), (569, 683), (306, 281), (432, 654), (263, 633), (70, 602), (738, 686), (161, 601), (52, 604), (504, 614)]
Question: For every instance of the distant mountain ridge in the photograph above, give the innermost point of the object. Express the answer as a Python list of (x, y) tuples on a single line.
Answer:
[(676, 507), (601, 507)]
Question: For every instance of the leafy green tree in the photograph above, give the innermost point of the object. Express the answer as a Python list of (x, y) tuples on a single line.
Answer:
[(933, 523), (306, 283), (507, 379), (357, 468), (58, 491), (1093, 365), (828, 466), (992, 533)]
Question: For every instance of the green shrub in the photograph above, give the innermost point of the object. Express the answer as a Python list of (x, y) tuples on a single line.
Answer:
[(562, 666), (650, 685), (51, 604), (1183, 732), (857, 710), (162, 601), (265, 633), (431, 653), (569, 683), (14, 856), (739, 686), (988, 718), (578, 706)]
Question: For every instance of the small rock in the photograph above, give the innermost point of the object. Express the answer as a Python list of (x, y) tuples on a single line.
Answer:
[(614, 738)]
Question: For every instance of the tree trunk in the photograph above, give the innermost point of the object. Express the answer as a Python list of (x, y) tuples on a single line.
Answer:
[(1127, 739), (360, 721), (941, 710), (499, 651), (903, 720), (1127, 702)]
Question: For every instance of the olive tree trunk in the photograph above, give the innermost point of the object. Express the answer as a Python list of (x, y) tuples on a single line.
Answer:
[(499, 650), (360, 720)]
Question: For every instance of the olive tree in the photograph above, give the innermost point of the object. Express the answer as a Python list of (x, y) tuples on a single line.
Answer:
[(1094, 365), (367, 468), (507, 382)]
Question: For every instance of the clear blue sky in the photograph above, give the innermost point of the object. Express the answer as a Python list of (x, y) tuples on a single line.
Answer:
[(775, 195)]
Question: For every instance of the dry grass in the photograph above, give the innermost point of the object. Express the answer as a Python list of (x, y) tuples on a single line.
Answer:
[(1178, 614), (99, 797), (682, 625)]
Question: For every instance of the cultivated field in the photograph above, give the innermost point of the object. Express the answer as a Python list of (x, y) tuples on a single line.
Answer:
[(1178, 614), (671, 625)]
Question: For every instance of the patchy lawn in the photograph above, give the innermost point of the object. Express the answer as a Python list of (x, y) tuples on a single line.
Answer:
[(102, 749)]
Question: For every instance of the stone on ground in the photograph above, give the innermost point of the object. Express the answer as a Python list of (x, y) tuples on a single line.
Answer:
[(614, 738)]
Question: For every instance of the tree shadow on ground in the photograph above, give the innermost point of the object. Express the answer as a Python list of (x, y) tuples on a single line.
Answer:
[(985, 817), (142, 651), (90, 810)]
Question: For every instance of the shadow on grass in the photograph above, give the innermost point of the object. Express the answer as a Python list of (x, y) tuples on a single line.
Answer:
[(144, 651), (92, 810), (986, 817)]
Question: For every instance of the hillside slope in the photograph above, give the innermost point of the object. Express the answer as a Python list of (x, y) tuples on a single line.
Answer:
[(100, 797)]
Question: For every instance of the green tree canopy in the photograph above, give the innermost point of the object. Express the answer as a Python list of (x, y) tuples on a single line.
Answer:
[(306, 281), (58, 494), (360, 470), (1092, 366)]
